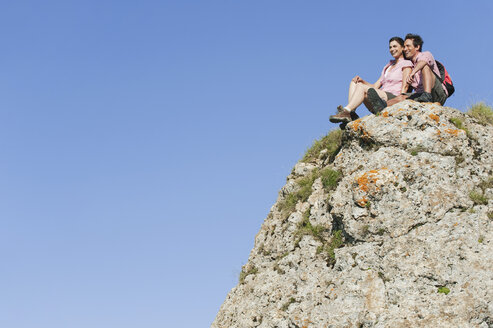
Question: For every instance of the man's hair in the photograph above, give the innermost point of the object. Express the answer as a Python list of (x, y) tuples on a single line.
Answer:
[(417, 41), (398, 40)]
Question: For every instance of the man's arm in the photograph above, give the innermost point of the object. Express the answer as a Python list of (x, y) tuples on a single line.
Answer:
[(419, 66), (406, 71)]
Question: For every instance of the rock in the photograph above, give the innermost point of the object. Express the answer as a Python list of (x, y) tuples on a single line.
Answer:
[(399, 242)]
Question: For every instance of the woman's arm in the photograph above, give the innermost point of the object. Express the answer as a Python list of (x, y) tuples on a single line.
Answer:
[(405, 84), (377, 84), (358, 79)]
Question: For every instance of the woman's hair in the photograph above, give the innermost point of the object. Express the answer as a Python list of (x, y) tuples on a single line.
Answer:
[(398, 40)]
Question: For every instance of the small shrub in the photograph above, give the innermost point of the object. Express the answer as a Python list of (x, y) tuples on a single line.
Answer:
[(459, 124), (305, 227), (330, 178), (287, 304), (381, 231), (336, 242), (278, 268), (486, 184), (414, 151), (443, 290), (244, 274), (478, 198), (331, 142), (482, 112)]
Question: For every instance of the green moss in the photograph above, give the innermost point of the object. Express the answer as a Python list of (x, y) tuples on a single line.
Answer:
[(482, 112), (443, 290), (331, 142)]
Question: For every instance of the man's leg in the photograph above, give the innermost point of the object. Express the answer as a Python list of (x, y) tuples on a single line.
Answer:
[(428, 78), (438, 93)]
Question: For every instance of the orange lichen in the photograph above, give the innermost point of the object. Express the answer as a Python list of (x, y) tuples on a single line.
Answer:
[(356, 124), (366, 179), (435, 118), (385, 114), (362, 202), (454, 132)]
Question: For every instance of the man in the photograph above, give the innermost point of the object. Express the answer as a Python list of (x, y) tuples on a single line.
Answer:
[(422, 77)]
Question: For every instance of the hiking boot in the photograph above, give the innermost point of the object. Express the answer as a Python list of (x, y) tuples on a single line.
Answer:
[(377, 103), (340, 109), (424, 97), (343, 116)]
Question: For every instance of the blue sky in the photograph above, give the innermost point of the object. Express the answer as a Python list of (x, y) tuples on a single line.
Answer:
[(143, 143)]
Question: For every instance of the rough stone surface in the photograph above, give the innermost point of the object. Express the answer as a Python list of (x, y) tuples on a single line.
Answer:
[(417, 251)]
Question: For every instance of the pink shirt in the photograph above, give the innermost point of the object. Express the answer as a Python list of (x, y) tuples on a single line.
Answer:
[(391, 77), (427, 57)]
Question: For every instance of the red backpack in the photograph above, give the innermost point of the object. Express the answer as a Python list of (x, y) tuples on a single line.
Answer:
[(445, 78)]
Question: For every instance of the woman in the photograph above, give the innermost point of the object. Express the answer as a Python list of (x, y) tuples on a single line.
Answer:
[(392, 82)]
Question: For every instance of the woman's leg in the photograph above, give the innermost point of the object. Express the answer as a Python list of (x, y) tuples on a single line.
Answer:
[(352, 88), (359, 95)]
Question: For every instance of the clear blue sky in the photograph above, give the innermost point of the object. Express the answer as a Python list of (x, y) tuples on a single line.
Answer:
[(144, 142)]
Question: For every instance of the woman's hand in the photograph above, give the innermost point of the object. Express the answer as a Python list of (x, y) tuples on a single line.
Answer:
[(357, 79)]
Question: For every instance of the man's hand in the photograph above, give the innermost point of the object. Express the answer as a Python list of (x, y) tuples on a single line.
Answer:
[(410, 78)]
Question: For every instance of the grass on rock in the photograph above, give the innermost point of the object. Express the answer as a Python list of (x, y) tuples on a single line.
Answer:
[(482, 112)]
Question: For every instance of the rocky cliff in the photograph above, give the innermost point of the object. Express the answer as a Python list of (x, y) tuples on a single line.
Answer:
[(387, 224)]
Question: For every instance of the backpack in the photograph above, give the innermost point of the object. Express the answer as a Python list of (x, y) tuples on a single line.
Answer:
[(445, 78)]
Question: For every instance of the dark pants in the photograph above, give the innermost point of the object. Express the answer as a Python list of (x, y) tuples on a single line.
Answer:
[(437, 93)]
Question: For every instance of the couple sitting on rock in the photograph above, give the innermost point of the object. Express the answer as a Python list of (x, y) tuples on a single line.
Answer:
[(410, 68)]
